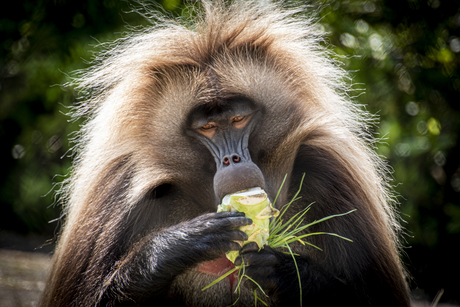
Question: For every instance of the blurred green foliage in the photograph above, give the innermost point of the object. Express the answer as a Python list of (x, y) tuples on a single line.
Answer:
[(404, 55)]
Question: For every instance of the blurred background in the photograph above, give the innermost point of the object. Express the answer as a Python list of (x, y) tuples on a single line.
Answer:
[(403, 57)]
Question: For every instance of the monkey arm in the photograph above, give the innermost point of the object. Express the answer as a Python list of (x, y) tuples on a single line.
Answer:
[(152, 264)]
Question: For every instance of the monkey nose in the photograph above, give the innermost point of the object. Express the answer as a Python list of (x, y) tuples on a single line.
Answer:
[(227, 160)]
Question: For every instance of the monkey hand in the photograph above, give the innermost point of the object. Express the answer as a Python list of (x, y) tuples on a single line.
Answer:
[(277, 274), (270, 269), (203, 238), (208, 236)]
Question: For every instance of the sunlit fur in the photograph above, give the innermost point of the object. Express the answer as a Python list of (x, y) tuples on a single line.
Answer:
[(135, 99)]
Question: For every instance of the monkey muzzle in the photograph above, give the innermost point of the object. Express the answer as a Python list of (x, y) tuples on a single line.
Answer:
[(235, 169), (237, 176)]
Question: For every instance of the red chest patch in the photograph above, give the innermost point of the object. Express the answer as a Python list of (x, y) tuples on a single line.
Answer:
[(219, 267)]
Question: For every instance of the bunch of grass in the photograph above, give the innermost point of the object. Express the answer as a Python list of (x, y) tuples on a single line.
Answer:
[(282, 234)]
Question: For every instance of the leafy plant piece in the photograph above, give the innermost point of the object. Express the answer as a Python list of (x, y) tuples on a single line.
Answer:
[(256, 206)]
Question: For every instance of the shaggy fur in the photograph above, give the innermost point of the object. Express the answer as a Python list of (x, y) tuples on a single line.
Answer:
[(132, 151)]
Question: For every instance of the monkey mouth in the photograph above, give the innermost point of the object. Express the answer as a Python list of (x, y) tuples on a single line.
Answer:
[(219, 267)]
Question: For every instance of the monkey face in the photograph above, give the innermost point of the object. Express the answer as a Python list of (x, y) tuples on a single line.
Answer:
[(224, 129)]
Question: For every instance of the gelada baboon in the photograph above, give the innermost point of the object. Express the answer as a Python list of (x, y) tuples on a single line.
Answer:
[(180, 115)]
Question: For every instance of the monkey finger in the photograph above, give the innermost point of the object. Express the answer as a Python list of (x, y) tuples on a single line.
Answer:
[(238, 261), (235, 235), (233, 246), (226, 214), (259, 272), (250, 247), (225, 240), (259, 259), (235, 222)]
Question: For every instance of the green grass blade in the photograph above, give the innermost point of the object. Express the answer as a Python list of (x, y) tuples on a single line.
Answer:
[(220, 278), (256, 284), (279, 190), (313, 245), (330, 217), (285, 207), (284, 227), (258, 298), (242, 273), (294, 222), (298, 273), (318, 233)]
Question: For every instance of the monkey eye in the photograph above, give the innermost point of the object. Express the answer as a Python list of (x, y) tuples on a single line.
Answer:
[(240, 121), (208, 126), (208, 129), (237, 119)]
